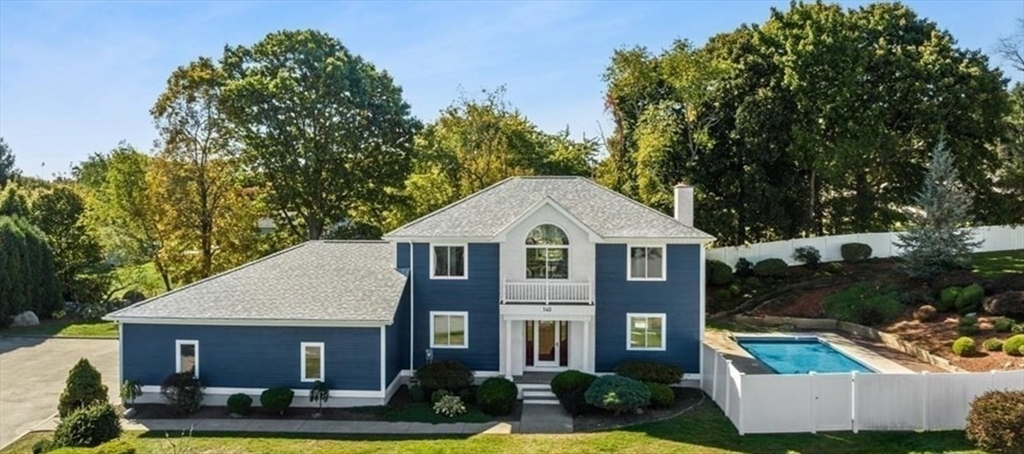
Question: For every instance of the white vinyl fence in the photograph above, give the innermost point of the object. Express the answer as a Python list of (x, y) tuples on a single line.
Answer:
[(843, 402), (995, 238)]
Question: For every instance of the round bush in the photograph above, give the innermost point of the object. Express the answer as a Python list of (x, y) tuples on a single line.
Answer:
[(650, 371), (569, 380), (947, 299), (436, 396), (770, 268), (1013, 345), (575, 402), (964, 346), (84, 387), (996, 422), (1002, 325), (744, 268), (968, 325), (808, 255), (719, 273), (89, 426), (239, 404), (497, 396), (992, 345), (970, 298), (277, 400), (182, 391), (855, 252), (925, 313), (662, 396), (618, 394), (1017, 329), (449, 375)]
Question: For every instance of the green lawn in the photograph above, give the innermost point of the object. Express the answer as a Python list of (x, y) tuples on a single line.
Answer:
[(143, 277), (65, 328), (991, 264), (703, 430)]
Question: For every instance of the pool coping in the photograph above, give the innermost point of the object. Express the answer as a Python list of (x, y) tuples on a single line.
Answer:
[(804, 337), (748, 364)]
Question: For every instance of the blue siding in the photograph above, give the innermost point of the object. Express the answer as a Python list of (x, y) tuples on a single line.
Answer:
[(254, 356), (678, 297), (477, 295), (397, 355), (402, 255)]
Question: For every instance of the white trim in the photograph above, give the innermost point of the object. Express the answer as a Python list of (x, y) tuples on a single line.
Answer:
[(629, 326), (465, 324), (120, 355), (412, 304), (178, 343), (629, 262), (250, 322), (465, 260), (397, 382), (383, 359), (657, 240), (502, 234), (703, 311), (302, 362), (257, 391)]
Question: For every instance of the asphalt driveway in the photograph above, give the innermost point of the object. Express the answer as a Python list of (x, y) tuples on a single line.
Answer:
[(32, 375)]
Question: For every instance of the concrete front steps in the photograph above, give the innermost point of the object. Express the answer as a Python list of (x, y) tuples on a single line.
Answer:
[(538, 394)]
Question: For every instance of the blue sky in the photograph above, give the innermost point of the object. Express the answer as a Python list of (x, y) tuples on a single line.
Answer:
[(78, 77)]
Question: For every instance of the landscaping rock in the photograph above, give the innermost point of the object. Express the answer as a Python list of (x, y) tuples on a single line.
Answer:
[(1006, 303), (27, 318)]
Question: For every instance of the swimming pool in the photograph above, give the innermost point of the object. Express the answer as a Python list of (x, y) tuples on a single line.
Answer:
[(800, 355)]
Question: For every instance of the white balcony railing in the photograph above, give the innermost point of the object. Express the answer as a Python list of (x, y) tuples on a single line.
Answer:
[(547, 292)]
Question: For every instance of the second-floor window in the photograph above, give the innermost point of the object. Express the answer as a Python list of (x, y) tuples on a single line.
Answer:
[(547, 253), (449, 262), (646, 263)]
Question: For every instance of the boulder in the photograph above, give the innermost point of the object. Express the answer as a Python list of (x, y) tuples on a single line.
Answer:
[(27, 318), (1006, 303)]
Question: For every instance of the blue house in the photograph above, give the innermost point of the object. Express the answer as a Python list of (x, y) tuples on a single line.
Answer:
[(530, 274)]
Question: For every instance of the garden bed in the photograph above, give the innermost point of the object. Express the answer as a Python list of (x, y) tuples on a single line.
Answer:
[(685, 398), (937, 337), (401, 408)]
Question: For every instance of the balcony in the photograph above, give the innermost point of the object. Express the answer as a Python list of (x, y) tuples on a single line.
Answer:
[(547, 292)]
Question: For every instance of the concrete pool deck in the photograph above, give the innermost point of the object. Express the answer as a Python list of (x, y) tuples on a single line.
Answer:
[(741, 359)]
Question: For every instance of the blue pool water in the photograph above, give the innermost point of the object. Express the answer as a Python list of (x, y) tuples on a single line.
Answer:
[(800, 356)]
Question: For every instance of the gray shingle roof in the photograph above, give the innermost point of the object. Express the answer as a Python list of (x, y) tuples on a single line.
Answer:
[(606, 212), (318, 281)]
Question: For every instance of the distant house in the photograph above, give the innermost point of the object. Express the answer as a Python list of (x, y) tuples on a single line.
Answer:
[(530, 274)]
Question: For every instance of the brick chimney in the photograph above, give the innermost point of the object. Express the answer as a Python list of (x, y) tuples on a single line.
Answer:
[(684, 204)]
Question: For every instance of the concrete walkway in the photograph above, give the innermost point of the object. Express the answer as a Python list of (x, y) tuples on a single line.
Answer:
[(306, 426), (545, 419)]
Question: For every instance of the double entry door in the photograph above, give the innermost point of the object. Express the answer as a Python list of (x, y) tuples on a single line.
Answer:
[(547, 344)]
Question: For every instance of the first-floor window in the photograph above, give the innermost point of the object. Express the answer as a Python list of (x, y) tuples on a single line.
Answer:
[(186, 357), (312, 361), (645, 331), (449, 329)]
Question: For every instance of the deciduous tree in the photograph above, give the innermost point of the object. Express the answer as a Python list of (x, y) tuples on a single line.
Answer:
[(59, 214), (7, 169)]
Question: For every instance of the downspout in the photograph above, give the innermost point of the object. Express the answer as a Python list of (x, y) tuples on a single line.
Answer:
[(412, 306)]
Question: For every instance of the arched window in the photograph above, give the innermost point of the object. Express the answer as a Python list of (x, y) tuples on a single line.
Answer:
[(547, 253)]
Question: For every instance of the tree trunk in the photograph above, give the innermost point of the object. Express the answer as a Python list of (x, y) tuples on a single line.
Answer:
[(314, 227)]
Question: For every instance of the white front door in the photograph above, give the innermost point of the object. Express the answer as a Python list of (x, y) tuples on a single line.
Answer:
[(546, 347)]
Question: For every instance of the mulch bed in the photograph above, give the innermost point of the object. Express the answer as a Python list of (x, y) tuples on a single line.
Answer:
[(937, 337), (685, 398)]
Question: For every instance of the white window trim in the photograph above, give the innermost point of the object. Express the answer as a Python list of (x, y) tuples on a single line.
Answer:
[(177, 355), (465, 321), (302, 362), (629, 332), (629, 262), (465, 260)]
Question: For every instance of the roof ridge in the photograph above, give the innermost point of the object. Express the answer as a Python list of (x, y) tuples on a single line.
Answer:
[(637, 202), (210, 278), (449, 206), (354, 241)]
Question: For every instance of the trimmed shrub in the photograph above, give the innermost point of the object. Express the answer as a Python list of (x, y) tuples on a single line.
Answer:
[(1013, 345), (1003, 325), (770, 268), (575, 402), (417, 394), (569, 380), (130, 390), (182, 391), (808, 255), (968, 326), (992, 345), (744, 268), (618, 394), (497, 396), (996, 422), (1008, 282), (964, 346), (239, 404), (662, 396), (863, 304), (277, 400), (719, 273), (84, 387), (855, 252), (1006, 303), (650, 371), (436, 396), (1017, 329), (925, 313), (91, 426), (448, 375), (450, 406), (970, 299), (947, 298)]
